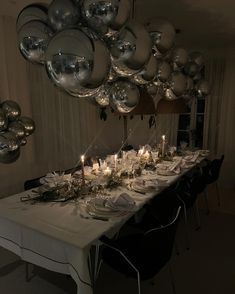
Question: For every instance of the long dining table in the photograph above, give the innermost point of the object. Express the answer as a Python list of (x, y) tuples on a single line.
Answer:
[(56, 236)]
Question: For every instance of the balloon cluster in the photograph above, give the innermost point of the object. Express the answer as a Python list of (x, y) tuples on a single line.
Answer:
[(13, 131), (91, 48)]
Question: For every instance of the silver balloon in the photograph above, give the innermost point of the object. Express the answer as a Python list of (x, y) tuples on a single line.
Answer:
[(102, 97), (189, 84), (23, 141), (198, 58), (178, 83), (162, 33), (33, 40), (163, 71), (82, 92), (11, 109), (63, 14), (3, 120), (28, 124), (77, 62), (179, 57), (148, 73), (152, 89), (132, 50), (169, 95), (9, 156), (106, 16), (31, 12), (124, 96), (17, 128), (203, 88), (191, 68), (197, 77), (8, 142)]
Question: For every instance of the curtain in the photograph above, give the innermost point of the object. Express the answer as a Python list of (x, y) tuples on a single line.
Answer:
[(220, 112)]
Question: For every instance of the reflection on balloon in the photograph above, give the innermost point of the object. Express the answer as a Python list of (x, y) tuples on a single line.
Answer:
[(9, 156), (178, 83), (132, 50), (17, 128), (8, 142), (3, 120), (11, 109), (162, 33), (198, 58), (152, 89), (106, 16), (203, 88), (189, 84), (148, 73), (102, 97), (124, 96), (191, 69), (28, 124), (169, 95), (33, 40), (31, 12), (163, 71), (76, 62), (179, 57), (62, 13)]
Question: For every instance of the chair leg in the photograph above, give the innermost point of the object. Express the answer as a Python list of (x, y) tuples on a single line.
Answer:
[(139, 284), (172, 279), (217, 192), (206, 200), (28, 277), (187, 226), (198, 220)]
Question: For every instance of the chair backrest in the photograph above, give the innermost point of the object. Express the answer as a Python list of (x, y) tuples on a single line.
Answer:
[(160, 241), (32, 183), (215, 168)]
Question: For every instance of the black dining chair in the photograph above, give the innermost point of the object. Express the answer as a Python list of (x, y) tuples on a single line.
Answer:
[(142, 255), (212, 177)]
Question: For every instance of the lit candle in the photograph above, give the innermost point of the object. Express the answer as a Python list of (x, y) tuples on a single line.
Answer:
[(82, 166), (107, 171), (141, 151), (163, 145), (115, 162)]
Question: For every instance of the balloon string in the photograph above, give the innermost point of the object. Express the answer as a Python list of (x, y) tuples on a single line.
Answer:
[(130, 133)]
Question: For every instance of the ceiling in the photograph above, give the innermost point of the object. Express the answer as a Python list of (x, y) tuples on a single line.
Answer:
[(203, 24)]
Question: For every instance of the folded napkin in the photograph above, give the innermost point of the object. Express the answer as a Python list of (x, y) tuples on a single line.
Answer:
[(175, 165), (53, 180), (121, 202)]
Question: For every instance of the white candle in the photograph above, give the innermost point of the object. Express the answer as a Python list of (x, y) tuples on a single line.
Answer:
[(82, 167), (115, 162), (107, 171), (163, 145), (141, 151)]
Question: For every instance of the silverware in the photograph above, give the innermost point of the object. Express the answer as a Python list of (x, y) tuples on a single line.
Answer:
[(94, 217)]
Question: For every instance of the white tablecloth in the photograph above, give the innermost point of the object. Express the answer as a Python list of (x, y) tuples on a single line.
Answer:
[(54, 236)]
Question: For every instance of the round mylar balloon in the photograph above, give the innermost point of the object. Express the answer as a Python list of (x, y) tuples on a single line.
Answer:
[(17, 128), (9, 156), (8, 142), (179, 57), (132, 50), (152, 89), (62, 14), (11, 109), (198, 58), (163, 71), (178, 83), (169, 95), (77, 62), (202, 88), (162, 33), (148, 73), (28, 124), (104, 16), (31, 12), (189, 84), (124, 96), (33, 40), (191, 68), (102, 97), (3, 120)]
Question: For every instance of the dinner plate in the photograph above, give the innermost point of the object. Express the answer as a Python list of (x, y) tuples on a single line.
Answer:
[(165, 172), (94, 211)]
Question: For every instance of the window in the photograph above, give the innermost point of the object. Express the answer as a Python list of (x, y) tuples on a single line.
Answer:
[(191, 124)]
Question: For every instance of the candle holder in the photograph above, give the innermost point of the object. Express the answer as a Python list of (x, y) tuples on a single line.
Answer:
[(82, 168)]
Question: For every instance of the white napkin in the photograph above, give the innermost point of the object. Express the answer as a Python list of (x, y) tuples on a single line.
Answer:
[(52, 180), (175, 165), (121, 202)]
